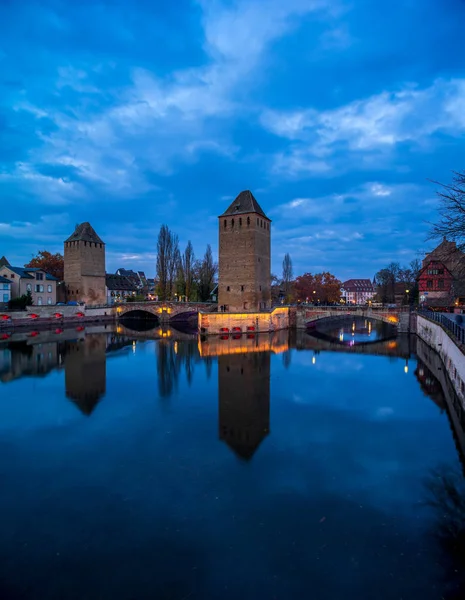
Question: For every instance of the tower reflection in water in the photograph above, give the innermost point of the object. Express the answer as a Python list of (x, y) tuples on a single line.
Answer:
[(244, 401)]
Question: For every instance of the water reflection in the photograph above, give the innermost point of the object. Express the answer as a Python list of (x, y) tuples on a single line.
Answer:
[(244, 401), (353, 330)]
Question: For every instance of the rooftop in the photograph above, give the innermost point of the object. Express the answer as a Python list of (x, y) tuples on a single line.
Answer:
[(119, 282), (243, 204), (84, 232), (358, 285), (25, 272)]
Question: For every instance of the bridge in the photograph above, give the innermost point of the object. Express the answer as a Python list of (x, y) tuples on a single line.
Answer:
[(164, 311), (307, 316)]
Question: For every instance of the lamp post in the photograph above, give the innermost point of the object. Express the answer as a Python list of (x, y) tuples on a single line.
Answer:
[(408, 297)]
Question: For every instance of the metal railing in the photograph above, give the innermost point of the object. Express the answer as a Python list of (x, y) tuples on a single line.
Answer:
[(457, 330)]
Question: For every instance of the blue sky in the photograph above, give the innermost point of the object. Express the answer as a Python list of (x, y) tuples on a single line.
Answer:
[(132, 114)]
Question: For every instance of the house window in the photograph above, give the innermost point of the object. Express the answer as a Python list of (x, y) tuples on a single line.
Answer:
[(6, 286), (49, 300), (5, 298), (12, 276), (49, 289), (39, 288), (429, 284), (440, 271), (29, 288), (39, 276), (39, 300), (441, 284)]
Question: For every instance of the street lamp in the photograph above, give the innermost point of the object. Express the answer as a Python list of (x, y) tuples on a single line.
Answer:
[(408, 298)]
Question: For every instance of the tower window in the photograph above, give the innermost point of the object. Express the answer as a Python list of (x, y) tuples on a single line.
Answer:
[(228, 289), (242, 288), (225, 223), (240, 221), (232, 223), (85, 243), (258, 221), (248, 221), (260, 288)]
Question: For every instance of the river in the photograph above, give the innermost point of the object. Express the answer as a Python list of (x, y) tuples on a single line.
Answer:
[(159, 465)]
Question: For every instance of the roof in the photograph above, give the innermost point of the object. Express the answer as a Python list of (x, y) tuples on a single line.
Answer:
[(25, 272), (243, 204), (84, 232), (4, 279), (358, 285), (3, 262), (119, 282)]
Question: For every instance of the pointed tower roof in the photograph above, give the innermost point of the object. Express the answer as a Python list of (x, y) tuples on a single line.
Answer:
[(4, 262), (244, 203), (86, 233)]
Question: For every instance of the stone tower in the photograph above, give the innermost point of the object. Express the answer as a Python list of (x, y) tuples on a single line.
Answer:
[(244, 401), (244, 281), (85, 266)]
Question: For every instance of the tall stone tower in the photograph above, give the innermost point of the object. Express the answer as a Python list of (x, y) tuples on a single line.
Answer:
[(244, 280), (85, 266)]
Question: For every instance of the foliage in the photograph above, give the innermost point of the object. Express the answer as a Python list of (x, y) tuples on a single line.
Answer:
[(321, 287), (50, 263), (206, 270), (186, 273), (393, 274), (451, 223), (288, 275), (21, 302), (136, 298), (167, 262)]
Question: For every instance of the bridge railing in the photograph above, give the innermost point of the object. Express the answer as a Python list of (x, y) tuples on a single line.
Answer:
[(458, 331)]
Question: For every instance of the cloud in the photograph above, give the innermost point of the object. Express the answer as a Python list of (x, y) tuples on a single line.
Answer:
[(378, 123)]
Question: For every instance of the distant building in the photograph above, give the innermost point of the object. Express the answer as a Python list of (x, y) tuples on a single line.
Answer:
[(119, 288), (84, 254), (441, 278), (138, 278), (244, 281), (41, 285), (5, 286), (357, 291)]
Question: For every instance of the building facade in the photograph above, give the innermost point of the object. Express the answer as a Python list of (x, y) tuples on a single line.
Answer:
[(23, 280), (5, 287), (119, 288), (358, 291), (244, 279), (84, 254), (442, 275)]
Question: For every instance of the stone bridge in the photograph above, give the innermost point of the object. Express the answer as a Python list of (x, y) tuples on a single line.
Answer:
[(164, 311), (306, 316)]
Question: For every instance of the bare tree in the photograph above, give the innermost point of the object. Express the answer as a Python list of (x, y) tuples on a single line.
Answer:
[(167, 261), (451, 223), (288, 273), (206, 270)]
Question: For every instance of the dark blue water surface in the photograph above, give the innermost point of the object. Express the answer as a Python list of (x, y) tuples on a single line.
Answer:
[(275, 466)]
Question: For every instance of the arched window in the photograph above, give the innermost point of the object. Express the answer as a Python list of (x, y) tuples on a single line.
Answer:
[(29, 287)]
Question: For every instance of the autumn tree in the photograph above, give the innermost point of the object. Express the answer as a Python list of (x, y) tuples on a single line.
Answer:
[(50, 263), (321, 287)]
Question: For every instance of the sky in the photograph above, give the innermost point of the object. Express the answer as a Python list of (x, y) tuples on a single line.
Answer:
[(336, 114)]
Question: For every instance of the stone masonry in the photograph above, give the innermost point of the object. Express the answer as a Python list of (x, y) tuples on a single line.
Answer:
[(84, 254), (244, 257)]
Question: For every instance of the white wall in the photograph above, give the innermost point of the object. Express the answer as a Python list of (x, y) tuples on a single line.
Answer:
[(451, 355)]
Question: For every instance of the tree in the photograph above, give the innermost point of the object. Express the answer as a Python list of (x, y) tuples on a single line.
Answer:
[(50, 263), (322, 287), (186, 277), (451, 223), (21, 302), (167, 262), (206, 270), (288, 274)]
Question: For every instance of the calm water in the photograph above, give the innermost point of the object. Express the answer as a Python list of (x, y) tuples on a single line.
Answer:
[(263, 467)]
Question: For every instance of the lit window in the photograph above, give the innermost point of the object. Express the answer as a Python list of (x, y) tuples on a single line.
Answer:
[(49, 289)]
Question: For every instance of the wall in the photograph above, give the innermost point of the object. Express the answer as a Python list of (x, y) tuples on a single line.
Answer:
[(244, 261), (451, 354), (85, 271), (46, 297), (212, 323)]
